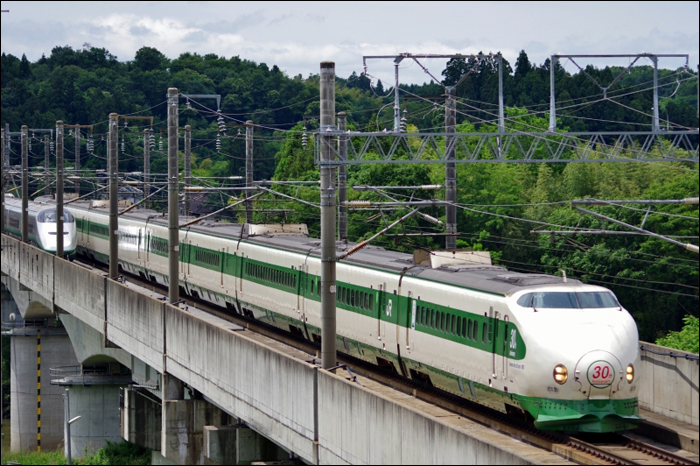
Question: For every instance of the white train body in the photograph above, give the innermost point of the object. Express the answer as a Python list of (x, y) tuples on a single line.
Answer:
[(41, 230), (481, 332)]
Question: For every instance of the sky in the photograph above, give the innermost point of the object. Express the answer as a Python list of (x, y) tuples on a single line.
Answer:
[(297, 36)]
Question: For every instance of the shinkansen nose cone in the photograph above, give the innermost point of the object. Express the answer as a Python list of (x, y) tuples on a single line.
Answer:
[(46, 223)]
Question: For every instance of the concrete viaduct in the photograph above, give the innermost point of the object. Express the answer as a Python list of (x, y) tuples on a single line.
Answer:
[(199, 390)]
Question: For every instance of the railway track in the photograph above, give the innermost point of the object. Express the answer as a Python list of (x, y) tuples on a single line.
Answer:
[(589, 449)]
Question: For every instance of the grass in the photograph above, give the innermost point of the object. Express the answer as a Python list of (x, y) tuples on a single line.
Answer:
[(122, 453)]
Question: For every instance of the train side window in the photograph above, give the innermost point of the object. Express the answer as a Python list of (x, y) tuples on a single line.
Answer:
[(371, 301), (454, 322), (431, 318), (483, 332), (464, 327), (442, 322), (312, 286)]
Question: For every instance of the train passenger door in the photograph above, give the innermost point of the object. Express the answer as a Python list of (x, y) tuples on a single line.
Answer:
[(148, 246), (412, 309), (302, 278), (138, 249), (224, 264), (499, 342), (83, 223), (381, 309)]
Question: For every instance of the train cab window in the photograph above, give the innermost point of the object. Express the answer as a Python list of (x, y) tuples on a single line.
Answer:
[(525, 300), (50, 216), (596, 300), (568, 300)]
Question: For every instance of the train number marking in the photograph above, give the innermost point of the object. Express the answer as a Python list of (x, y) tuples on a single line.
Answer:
[(601, 374), (513, 341), (388, 308)]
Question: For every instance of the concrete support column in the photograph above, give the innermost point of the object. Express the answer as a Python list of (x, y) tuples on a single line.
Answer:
[(328, 252), (113, 165), (239, 445), (146, 164), (173, 193), (25, 186), (37, 406), (77, 160), (188, 167), (450, 170), (183, 423), (47, 179), (141, 419), (59, 187), (248, 169), (98, 406)]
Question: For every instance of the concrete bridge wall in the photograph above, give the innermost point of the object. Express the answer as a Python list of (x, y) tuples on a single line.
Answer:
[(668, 385)]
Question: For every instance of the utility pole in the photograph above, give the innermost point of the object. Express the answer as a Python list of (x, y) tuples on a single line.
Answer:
[(655, 124), (188, 167), (76, 138), (342, 178), (59, 188), (147, 136), (450, 169), (113, 196), (46, 164), (328, 283), (173, 208), (397, 105), (248, 169), (77, 160), (25, 186), (552, 101)]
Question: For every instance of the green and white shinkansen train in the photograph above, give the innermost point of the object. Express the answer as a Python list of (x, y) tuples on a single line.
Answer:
[(561, 352)]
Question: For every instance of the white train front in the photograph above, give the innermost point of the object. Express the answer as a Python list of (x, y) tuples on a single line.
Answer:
[(42, 224), (561, 353)]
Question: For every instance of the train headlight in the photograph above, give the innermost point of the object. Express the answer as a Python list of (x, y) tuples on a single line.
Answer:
[(560, 374), (630, 373)]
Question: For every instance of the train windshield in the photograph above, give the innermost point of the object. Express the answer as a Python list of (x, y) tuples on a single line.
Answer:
[(561, 300), (49, 216)]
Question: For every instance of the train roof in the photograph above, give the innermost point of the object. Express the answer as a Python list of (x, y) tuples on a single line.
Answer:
[(489, 278)]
